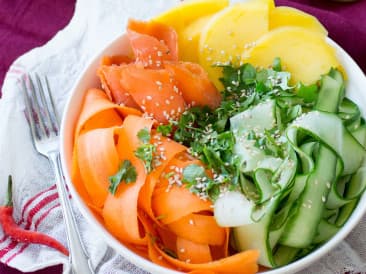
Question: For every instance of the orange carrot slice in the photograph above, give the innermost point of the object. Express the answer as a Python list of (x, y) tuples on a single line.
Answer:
[(97, 162), (172, 204), (166, 149), (195, 253), (120, 210), (193, 82), (243, 263), (161, 32), (199, 228), (95, 102), (170, 200), (154, 91), (76, 177)]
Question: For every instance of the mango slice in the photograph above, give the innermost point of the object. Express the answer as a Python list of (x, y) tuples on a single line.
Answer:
[(189, 39), (186, 20), (304, 53), (228, 33), (287, 16), (270, 3)]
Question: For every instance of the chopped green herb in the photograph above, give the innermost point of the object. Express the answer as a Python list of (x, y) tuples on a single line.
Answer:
[(276, 65), (144, 135), (248, 74), (145, 152), (192, 173), (165, 130), (126, 173), (199, 183)]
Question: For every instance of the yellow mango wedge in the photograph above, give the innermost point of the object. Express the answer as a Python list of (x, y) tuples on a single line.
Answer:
[(270, 3), (228, 33), (188, 11), (188, 19), (287, 16), (189, 39), (304, 53)]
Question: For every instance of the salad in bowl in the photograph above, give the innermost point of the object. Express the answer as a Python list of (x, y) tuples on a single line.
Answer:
[(219, 138)]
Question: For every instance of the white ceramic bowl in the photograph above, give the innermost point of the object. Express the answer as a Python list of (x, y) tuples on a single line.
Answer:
[(355, 89)]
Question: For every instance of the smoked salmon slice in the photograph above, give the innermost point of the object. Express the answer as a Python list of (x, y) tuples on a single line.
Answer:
[(163, 33), (110, 77), (155, 91), (193, 82)]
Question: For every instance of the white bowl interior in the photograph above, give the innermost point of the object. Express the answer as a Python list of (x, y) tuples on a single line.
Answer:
[(354, 89)]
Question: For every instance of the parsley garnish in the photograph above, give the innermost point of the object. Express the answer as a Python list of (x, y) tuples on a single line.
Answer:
[(165, 130), (144, 135), (199, 183), (126, 173), (276, 65), (145, 152)]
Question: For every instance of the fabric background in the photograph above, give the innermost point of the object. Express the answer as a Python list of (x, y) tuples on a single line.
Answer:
[(25, 24)]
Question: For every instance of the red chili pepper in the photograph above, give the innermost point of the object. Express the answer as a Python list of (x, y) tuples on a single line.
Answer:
[(19, 234)]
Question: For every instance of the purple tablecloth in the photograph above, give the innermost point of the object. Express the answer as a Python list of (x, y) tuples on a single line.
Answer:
[(25, 24)]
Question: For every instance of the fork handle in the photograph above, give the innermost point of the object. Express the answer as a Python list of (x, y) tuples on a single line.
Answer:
[(79, 259)]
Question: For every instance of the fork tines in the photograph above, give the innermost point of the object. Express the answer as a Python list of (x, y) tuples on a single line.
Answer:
[(41, 112)]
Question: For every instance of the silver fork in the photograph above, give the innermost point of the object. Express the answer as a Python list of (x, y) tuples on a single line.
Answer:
[(44, 125)]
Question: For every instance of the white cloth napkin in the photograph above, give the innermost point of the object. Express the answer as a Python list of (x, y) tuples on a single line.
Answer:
[(94, 24)]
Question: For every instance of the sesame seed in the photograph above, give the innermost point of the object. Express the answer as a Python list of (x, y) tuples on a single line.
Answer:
[(182, 250), (191, 222), (159, 53), (148, 97), (167, 102)]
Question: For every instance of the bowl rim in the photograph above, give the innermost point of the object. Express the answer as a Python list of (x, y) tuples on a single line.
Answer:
[(349, 65)]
